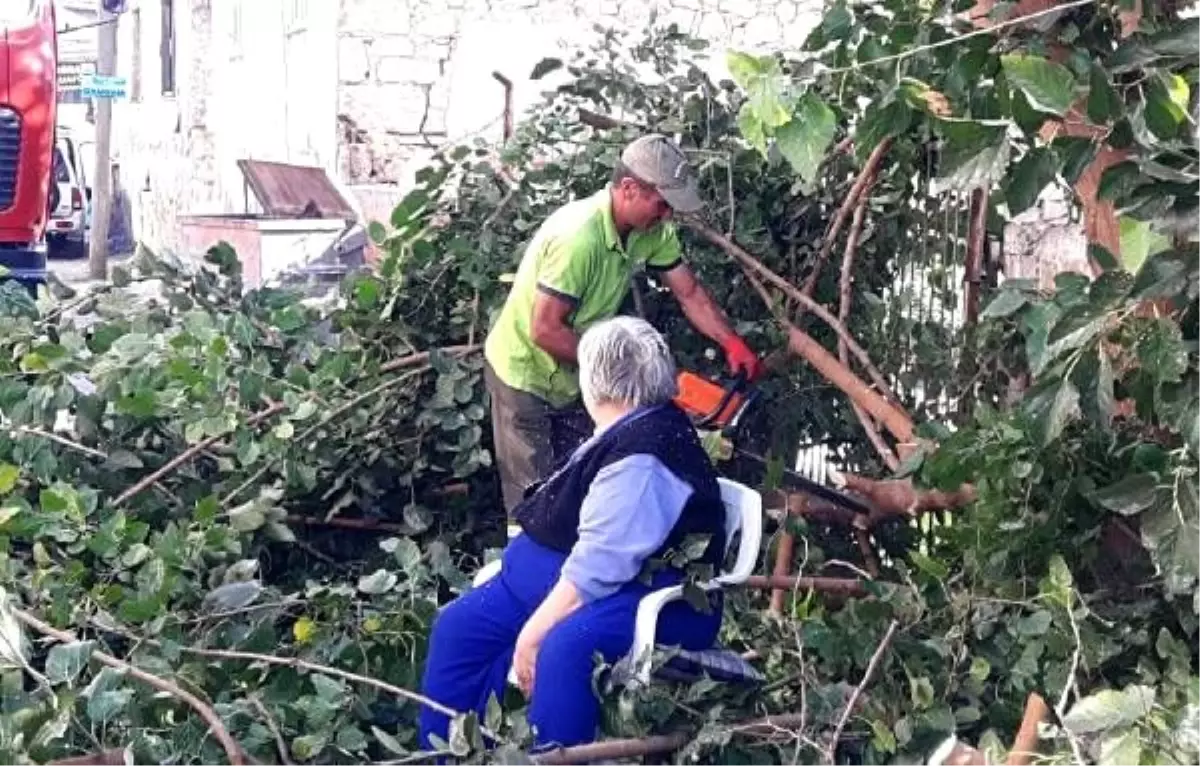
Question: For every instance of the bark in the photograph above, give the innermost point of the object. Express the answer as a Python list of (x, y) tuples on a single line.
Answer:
[(831, 586), (1025, 745), (976, 239), (845, 282), (898, 498), (866, 178), (893, 418)]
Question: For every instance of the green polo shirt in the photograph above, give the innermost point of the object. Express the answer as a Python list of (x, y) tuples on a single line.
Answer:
[(577, 255)]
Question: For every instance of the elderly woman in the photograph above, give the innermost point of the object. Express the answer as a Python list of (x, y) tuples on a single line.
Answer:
[(569, 585)]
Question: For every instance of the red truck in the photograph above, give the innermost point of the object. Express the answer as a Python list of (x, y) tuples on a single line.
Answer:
[(28, 114)]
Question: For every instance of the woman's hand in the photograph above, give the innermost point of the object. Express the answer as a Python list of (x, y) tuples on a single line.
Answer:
[(562, 601), (525, 660)]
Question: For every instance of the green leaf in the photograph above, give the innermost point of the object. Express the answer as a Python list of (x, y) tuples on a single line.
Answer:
[(1119, 180), (1171, 532), (308, 746), (804, 140), (1050, 87), (980, 669), (1075, 154), (1029, 177), (1006, 303), (889, 116), (1105, 399), (752, 128), (105, 705), (9, 474), (1121, 748), (417, 517), (1180, 39), (379, 581), (1035, 624), (1109, 709), (545, 67), (390, 743), (1138, 242), (921, 692), (1103, 104), (838, 22), (763, 82), (377, 232), (1063, 410), (1162, 352), (1129, 496), (1166, 104), (65, 662), (975, 155), (247, 517)]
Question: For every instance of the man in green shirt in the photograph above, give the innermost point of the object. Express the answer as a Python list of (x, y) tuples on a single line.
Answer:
[(574, 273)]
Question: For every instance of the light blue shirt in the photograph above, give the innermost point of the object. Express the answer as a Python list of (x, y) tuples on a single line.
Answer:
[(630, 508)]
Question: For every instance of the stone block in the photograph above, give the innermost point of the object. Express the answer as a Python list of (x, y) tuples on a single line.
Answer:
[(375, 17), (375, 108), (436, 23), (392, 45), (353, 64), (397, 69), (760, 32)]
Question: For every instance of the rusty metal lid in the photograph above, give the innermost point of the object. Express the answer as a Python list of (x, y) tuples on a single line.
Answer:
[(295, 191)]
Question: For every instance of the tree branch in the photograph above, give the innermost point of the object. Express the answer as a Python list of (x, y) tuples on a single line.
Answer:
[(191, 452), (232, 750), (832, 586), (296, 662), (899, 498), (866, 178), (1025, 745), (616, 749), (845, 281), (895, 419), (422, 357), (858, 690)]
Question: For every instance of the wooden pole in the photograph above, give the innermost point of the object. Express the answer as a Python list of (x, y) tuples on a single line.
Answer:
[(106, 64)]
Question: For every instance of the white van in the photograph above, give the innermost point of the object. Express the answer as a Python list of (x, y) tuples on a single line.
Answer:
[(70, 220)]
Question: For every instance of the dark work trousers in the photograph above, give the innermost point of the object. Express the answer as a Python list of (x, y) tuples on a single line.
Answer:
[(531, 436)]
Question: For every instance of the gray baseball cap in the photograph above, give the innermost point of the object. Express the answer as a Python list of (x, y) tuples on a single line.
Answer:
[(659, 162)]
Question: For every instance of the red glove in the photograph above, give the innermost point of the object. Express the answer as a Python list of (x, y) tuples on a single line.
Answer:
[(741, 358)]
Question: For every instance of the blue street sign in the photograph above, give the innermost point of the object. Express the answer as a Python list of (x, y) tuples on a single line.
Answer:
[(105, 86)]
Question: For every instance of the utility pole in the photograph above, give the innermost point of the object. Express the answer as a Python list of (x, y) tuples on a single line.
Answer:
[(102, 193)]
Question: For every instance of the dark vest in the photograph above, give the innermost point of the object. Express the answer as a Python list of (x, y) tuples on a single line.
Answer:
[(549, 514)]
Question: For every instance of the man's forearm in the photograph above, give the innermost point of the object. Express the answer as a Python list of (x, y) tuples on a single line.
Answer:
[(560, 342), (706, 316)]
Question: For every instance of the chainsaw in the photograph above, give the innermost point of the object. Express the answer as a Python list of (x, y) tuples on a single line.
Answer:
[(722, 407)]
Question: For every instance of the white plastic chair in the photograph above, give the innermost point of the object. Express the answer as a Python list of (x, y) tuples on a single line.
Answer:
[(743, 514)]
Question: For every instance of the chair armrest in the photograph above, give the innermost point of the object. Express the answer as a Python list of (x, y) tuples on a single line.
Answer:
[(486, 572), (645, 629)]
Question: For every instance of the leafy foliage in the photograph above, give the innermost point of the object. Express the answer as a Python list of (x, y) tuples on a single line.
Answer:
[(1076, 567)]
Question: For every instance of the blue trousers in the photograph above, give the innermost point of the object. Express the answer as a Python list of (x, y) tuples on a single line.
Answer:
[(473, 638)]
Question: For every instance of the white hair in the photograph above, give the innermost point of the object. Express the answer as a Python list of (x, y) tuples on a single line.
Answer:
[(624, 360)]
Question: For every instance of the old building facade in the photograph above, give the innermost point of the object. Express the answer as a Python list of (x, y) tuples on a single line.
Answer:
[(361, 88)]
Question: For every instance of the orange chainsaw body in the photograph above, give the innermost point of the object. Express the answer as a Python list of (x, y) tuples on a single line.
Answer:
[(700, 398)]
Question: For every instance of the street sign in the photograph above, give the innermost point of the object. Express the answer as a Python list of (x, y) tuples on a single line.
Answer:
[(72, 73), (105, 86)]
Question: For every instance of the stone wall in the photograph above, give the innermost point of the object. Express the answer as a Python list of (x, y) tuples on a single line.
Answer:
[(1045, 240), (413, 75)]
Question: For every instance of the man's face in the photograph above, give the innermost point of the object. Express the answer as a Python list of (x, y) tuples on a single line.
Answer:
[(642, 206)]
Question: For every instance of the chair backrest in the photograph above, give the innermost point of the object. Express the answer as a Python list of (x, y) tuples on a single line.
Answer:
[(743, 513)]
